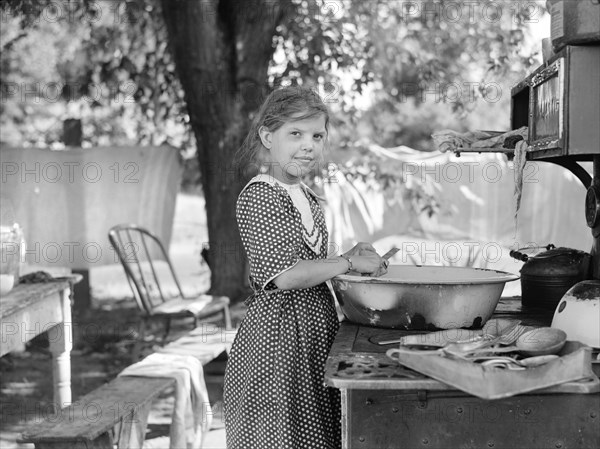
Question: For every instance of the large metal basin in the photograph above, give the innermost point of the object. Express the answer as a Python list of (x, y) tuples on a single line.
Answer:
[(422, 297)]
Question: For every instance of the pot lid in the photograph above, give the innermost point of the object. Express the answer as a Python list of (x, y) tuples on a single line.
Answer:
[(562, 251)]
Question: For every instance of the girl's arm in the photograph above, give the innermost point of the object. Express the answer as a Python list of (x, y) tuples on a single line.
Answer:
[(308, 273)]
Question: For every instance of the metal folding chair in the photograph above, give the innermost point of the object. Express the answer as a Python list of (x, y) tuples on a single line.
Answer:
[(156, 289)]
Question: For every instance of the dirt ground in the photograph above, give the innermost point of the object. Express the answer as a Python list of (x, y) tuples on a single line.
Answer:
[(26, 384)]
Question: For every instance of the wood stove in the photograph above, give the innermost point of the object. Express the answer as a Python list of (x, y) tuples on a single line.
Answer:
[(560, 104), (385, 405)]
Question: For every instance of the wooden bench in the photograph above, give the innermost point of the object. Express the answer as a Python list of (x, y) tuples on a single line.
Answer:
[(114, 412), (107, 415)]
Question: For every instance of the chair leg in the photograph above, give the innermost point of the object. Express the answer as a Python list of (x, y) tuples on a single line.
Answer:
[(167, 328), (137, 347)]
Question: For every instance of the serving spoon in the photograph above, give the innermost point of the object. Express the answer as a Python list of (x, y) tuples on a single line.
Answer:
[(494, 328), (473, 345)]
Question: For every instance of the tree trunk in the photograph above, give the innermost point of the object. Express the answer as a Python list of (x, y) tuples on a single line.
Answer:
[(222, 51)]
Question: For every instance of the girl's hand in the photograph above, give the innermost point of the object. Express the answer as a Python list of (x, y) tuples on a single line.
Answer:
[(370, 263), (361, 249)]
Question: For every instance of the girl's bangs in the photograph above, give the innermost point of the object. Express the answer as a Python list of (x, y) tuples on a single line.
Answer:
[(303, 111), (306, 113)]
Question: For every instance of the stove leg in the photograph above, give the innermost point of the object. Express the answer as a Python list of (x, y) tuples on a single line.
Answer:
[(345, 422)]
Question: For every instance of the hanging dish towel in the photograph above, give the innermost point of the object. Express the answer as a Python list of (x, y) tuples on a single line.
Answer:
[(190, 395)]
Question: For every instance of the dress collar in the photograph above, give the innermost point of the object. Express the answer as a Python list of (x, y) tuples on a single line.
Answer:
[(274, 182)]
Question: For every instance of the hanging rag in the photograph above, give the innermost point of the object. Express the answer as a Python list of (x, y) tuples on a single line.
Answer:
[(191, 396)]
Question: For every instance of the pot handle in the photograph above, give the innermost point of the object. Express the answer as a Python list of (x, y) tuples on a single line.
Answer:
[(517, 254)]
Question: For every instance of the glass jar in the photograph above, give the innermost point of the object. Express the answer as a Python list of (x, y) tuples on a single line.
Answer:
[(11, 241), (11, 247)]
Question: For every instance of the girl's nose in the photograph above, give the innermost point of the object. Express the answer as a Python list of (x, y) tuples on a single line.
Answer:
[(308, 145)]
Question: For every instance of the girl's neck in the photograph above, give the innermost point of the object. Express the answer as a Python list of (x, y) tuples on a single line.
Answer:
[(283, 178), (289, 182)]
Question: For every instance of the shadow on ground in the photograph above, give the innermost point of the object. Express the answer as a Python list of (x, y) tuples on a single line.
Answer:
[(102, 347)]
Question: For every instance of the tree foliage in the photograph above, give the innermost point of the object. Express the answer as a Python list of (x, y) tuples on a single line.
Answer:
[(192, 73), (111, 58), (104, 62)]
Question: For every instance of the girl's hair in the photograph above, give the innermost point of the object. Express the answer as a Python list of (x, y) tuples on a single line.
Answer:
[(284, 105)]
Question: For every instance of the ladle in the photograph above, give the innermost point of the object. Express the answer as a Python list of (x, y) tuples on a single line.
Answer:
[(540, 341)]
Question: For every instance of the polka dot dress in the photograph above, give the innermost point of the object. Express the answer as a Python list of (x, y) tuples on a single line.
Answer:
[(274, 394)]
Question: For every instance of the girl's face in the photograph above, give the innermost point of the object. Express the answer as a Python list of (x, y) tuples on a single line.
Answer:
[(295, 148)]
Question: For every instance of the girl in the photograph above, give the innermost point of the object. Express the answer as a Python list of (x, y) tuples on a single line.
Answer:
[(274, 393)]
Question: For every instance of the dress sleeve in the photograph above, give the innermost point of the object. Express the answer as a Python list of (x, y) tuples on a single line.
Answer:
[(270, 233)]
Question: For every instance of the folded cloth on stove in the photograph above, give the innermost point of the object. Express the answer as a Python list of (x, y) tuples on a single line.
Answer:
[(191, 396), (448, 140)]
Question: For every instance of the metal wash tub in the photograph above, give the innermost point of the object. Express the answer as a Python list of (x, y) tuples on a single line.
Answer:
[(422, 297)]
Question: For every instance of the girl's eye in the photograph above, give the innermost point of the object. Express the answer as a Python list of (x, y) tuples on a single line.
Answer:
[(318, 136), (295, 133)]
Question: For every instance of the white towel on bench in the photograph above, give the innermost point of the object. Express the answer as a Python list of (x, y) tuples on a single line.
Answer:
[(190, 393), (176, 305), (203, 344)]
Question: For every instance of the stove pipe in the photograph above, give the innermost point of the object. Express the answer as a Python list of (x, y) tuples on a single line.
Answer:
[(596, 229)]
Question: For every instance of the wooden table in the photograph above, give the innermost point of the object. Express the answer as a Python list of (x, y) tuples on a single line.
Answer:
[(32, 309), (385, 405)]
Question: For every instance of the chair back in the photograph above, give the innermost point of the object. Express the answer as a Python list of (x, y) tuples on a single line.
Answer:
[(138, 251)]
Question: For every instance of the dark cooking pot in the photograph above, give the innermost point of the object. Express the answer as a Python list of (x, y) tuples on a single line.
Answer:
[(547, 276)]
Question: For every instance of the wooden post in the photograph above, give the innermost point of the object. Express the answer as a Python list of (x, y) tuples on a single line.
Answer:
[(72, 132), (82, 299), (73, 137)]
